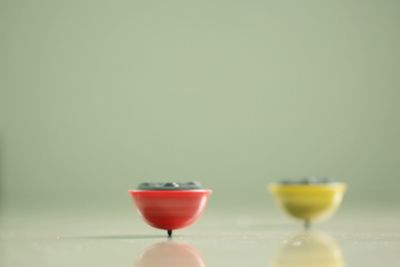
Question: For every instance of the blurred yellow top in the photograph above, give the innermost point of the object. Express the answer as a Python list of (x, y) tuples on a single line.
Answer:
[(309, 201)]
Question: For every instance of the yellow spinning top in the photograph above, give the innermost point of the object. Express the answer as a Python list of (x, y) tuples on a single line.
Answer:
[(309, 199)]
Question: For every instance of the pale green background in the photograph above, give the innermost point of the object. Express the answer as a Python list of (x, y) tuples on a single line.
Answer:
[(96, 97)]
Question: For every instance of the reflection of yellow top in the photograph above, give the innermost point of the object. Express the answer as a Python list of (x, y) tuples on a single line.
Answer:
[(309, 201), (309, 249)]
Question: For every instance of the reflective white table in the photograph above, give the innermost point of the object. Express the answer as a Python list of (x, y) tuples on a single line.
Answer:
[(218, 239)]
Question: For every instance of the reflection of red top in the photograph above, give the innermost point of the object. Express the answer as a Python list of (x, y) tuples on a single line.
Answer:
[(170, 210), (170, 253)]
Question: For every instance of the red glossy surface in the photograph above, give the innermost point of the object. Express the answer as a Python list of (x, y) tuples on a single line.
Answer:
[(170, 210)]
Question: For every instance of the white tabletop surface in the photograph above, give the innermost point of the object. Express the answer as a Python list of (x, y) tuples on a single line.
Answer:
[(217, 239)]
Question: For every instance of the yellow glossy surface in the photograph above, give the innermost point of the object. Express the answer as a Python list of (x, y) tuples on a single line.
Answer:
[(309, 202)]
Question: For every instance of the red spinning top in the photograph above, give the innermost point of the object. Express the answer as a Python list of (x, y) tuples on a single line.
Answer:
[(170, 206)]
